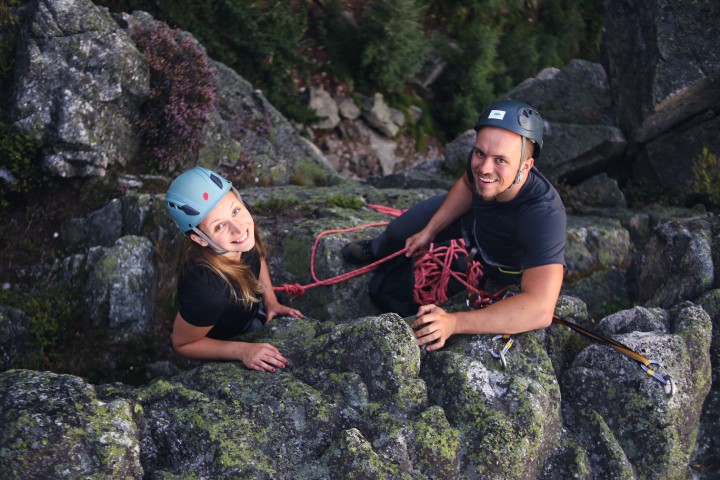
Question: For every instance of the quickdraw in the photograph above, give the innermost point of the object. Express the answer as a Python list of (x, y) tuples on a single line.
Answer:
[(500, 354), (653, 368), (650, 367)]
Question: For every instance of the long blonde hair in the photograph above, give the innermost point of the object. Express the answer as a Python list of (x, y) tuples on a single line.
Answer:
[(238, 276)]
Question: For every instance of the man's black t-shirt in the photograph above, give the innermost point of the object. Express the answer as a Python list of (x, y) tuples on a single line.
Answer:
[(528, 231), (205, 300)]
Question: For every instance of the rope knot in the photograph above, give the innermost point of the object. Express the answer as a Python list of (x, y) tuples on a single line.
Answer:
[(295, 289)]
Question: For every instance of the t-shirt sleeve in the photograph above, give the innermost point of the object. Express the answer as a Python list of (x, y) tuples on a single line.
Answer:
[(201, 295), (544, 235)]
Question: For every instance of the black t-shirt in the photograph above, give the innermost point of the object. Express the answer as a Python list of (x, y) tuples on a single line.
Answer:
[(528, 231), (205, 300)]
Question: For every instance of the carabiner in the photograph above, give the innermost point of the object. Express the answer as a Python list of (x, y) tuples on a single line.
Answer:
[(666, 380), (500, 354)]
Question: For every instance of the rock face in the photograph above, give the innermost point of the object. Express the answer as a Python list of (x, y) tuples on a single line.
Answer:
[(601, 381), (664, 73), (581, 137), (120, 292), (55, 426), (677, 263), (250, 138), (360, 396), (79, 84), (662, 62), (360, 399)]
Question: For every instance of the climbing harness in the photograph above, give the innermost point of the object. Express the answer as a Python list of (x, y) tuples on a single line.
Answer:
[(432, 274)]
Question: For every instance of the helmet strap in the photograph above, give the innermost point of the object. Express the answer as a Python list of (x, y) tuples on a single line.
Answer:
[(518, 175), (217, 249)]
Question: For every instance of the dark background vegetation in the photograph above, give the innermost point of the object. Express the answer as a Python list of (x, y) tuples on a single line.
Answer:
[(489, 45), (281, 47)]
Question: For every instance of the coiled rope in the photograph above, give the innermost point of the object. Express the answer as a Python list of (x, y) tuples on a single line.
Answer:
[(432, 269)]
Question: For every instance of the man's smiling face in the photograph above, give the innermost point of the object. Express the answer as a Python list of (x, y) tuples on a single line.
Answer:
[(495, 163)]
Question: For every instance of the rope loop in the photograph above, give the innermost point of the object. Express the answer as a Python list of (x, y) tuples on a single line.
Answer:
[(432, 272)]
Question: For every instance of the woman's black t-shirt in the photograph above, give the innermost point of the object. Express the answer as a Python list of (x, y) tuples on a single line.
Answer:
[(205, 300)]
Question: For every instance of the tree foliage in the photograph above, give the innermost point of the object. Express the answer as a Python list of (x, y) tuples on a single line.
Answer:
[(392, 43), (488, 46)]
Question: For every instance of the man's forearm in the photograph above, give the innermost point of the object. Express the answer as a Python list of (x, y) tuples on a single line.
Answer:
[(530, 309), (512, 315)]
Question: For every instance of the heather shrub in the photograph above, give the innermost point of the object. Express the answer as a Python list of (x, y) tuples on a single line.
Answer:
[(182, 94), (264, 41)]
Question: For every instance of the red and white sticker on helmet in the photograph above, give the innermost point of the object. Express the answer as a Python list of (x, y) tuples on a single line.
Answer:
[(497, 114)]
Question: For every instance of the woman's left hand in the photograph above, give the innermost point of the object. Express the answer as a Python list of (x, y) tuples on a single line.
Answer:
[(279, 309)]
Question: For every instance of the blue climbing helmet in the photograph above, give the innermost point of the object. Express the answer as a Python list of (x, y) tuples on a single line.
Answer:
[(193, 194), (517, 117)]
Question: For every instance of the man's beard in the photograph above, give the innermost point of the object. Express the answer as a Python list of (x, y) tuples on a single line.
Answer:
[(482, 192)]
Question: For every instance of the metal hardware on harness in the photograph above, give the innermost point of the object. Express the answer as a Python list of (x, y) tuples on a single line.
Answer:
[(500, 354), (476, 301), (666, 380)]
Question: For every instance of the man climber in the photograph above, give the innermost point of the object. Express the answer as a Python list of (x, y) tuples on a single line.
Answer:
[(513, 222)]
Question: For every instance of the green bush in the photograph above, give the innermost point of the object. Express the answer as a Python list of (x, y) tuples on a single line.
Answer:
[(19, 151), (706, 175), (52, 316), (345, 201), (421, 129), (8, 39), (393, 43)]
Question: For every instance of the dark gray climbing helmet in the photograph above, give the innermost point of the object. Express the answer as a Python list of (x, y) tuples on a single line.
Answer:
[(517, 117)]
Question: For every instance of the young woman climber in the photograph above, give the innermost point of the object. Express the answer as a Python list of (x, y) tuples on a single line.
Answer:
[(224, 287)]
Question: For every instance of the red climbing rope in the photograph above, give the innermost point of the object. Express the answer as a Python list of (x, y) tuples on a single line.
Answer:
[(341, 230), (395, 212), (432, 267), (297, 290), (433, 271)]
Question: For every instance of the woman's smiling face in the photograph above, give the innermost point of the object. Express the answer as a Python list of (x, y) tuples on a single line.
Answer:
[(230, 225)]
